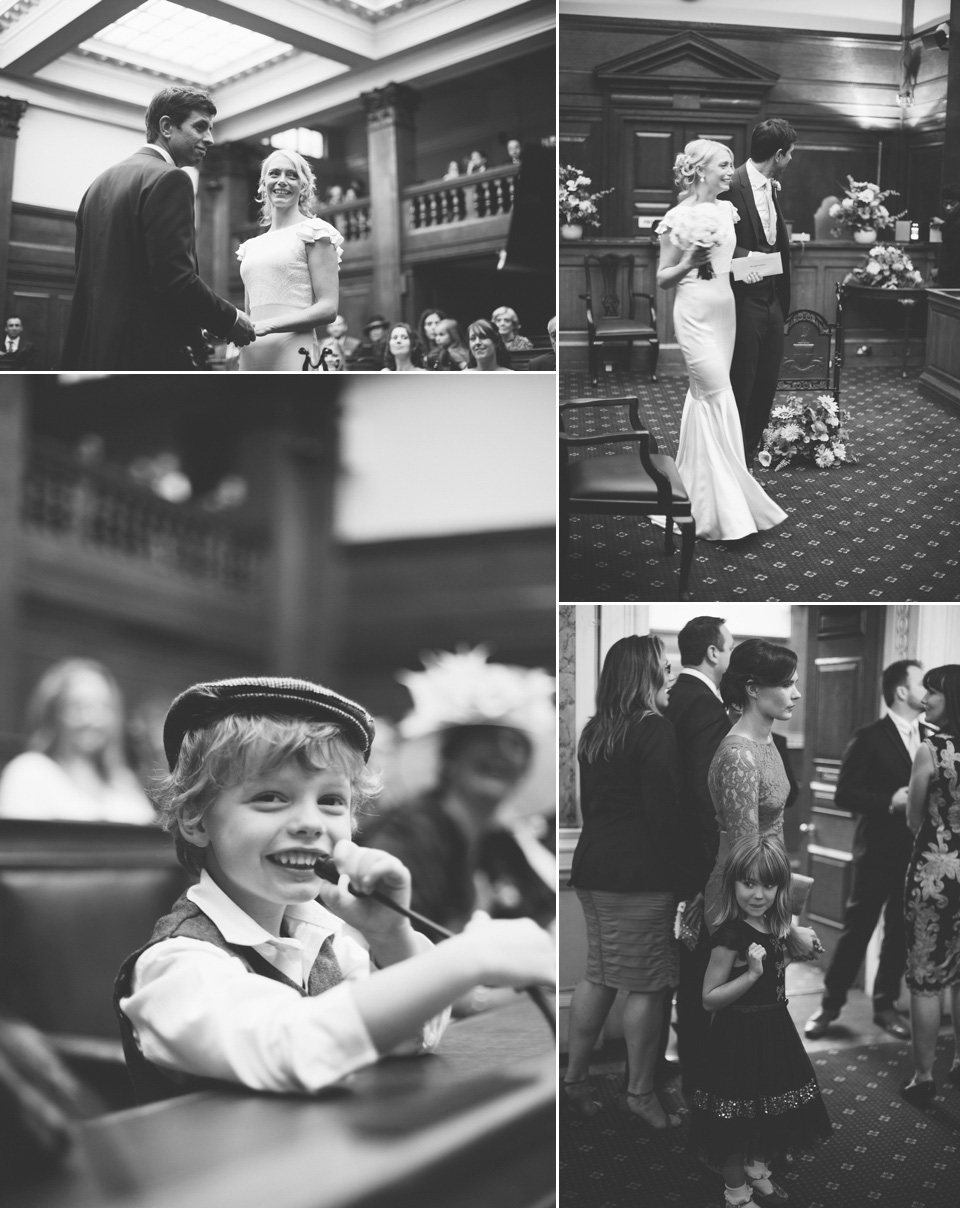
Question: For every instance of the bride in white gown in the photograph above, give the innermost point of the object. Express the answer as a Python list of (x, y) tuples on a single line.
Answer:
[(728, 503), (289, 271)]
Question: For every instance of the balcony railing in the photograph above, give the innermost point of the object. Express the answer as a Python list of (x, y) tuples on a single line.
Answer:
[(462, 199), (97, 507), (351, 218)]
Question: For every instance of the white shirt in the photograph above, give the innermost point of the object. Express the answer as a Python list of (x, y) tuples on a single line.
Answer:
[(909, 732), (196, 1008), (162, 151), (35, 786), (13, 344), (763, 199), (706, 679)]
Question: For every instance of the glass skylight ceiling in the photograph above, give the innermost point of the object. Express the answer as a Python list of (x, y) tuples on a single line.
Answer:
[(165, 37)]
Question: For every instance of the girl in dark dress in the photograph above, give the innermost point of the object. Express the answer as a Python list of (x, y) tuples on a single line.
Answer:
[(758, 1097)]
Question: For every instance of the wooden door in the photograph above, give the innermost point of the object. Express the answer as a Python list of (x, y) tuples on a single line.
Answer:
[(842, 685)]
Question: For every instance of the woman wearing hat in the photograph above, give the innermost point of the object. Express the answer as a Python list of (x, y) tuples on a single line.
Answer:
[(371, 350)]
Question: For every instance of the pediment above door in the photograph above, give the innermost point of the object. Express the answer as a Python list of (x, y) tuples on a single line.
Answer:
[(689, 64)]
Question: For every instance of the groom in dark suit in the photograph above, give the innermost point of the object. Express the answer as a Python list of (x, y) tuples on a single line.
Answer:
[(701, 722), (872, 784), (139, 302), (763, 306)]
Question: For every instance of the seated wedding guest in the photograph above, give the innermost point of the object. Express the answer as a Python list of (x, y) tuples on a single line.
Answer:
[(16, 351), (508, 324), (932, 890), (872, 784), (547, 362), (74, 768), (477, 162), (451, 353), (339, 331), (463, 856), (252, 980), (948, 265), (487, 353), (629, 872), (453, 170), (514, 150), (427, 329), (332, 358), (370, 352), (404, 351)]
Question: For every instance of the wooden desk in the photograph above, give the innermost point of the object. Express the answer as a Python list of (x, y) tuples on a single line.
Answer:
[(472, 1126)]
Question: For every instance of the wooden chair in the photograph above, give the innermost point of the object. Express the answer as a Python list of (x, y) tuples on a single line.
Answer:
[(610, 279), (636, 481), (812, 351)]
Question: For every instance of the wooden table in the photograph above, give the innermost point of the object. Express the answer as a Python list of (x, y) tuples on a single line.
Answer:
[(908, 300), (471, 1126)]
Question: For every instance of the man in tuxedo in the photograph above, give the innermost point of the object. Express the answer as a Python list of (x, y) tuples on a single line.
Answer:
[(700, 720), (873, 782), (139, 302), (763, 305), (17, 352)]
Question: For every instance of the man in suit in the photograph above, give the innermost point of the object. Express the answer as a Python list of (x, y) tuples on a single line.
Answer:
[(547, 363), (139, 302), (761, 306), (700, 721), (17, 352), (873, 784)]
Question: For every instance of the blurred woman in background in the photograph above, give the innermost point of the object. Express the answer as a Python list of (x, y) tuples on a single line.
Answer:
[(74, 768)]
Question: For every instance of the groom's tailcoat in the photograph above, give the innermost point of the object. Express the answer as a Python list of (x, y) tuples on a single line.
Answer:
[(139, 302), (761, 310)]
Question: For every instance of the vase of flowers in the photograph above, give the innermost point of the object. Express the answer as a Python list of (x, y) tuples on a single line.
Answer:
[(886, 267), (862, 211), (812, 432), (578, 206), (571, 230)]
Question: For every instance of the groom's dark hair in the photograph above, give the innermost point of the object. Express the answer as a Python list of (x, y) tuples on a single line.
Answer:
[(177, 104), (769, 137)]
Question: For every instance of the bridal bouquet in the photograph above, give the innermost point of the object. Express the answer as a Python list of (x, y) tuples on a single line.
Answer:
[(812, 432), (862, 209), (696, 226), (886, 268), (576, 203)]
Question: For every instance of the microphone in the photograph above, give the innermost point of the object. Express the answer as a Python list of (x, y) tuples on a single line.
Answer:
[(326, 870)]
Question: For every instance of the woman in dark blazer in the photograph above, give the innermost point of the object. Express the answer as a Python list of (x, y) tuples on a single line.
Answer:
[(627, 871)]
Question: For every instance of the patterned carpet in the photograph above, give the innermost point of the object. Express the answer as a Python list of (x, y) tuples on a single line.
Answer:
[(887, 528), (883, 1151)]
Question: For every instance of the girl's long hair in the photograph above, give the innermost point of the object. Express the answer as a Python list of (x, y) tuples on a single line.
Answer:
[(762, 858), (43, 714), (487, 331), (755, 661), (630, 679), (946, 679), (422, 325), (416, 348)]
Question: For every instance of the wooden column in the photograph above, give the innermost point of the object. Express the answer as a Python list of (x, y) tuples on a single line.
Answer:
[(13, 422), (11, 111), (951, 141), (390, 150), (226, 205)]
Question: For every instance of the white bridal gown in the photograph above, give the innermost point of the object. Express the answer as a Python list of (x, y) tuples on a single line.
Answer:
[(728, 503)]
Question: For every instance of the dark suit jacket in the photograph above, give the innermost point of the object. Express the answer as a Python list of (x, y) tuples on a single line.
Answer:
[(139, 302), (27, 355), (750, 235), (543, 364), (701, 722), (635, 833), (875, 764)]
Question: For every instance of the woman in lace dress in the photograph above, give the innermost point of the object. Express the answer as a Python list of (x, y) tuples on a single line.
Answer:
[(290, 271), (747, 780), (728, 503)]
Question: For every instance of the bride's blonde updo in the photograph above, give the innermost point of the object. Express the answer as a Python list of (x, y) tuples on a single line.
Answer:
[(308, 186), (695, 155)]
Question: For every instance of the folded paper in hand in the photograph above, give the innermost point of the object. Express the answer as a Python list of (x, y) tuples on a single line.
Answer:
[(767, 264)]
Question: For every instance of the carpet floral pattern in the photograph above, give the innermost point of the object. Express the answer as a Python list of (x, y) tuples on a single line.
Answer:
[(883, 1151), (885, 528)]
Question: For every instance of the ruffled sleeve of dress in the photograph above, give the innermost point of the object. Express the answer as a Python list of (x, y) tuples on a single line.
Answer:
[(242, 250), (734, 781), (727, 935), (667, 222), (313, 229)]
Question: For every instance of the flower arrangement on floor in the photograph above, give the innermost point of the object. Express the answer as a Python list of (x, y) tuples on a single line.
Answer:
[(886, 267), (577, 205), (862, 209), (696, 226), (812, 432)]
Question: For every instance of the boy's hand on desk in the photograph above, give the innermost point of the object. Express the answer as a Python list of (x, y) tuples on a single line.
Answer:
[(510, 952), (367, 868)]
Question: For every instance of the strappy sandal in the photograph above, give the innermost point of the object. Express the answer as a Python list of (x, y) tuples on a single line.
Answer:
[(625, 1106), (775, 1196), (580, 1096)]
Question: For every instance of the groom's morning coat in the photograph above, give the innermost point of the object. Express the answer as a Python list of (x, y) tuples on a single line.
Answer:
[(139, 302), (750, 236)]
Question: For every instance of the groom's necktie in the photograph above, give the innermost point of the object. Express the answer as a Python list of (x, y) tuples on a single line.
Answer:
[(770, 218), (9, 345)]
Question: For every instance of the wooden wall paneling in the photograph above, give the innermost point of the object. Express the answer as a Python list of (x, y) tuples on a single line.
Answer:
[(40, 276)]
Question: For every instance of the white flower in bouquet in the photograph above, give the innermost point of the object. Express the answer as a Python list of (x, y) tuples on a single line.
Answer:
[(828, 403), (886, 267), (824, 458), (696, 226), (576, 204), (862, 209), (812, 432)]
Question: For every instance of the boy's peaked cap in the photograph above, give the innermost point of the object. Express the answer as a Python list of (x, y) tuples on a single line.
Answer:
[(254, 696)]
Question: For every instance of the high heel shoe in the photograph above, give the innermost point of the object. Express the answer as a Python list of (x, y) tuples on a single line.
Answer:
[(626, 1106), (920, 1094), (579, 1096)]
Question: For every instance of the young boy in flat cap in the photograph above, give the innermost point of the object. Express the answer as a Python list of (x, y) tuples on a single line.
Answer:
[(249, 979)]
